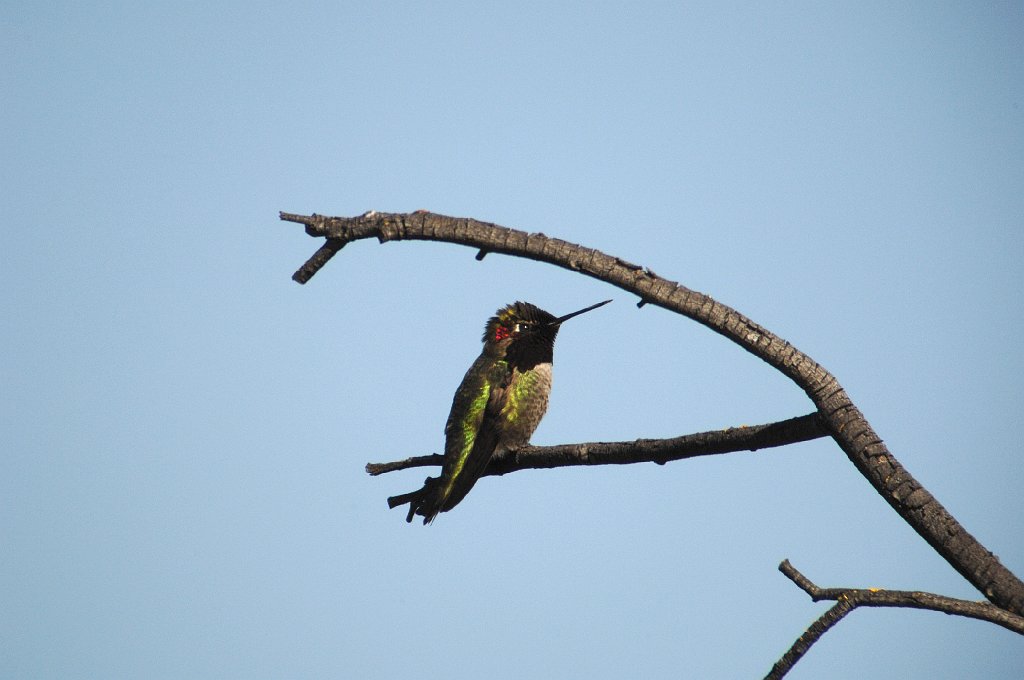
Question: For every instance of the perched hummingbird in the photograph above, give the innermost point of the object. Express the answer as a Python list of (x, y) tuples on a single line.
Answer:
[(497, 407)]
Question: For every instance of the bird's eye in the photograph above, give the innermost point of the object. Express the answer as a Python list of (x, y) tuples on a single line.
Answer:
[(522, 327)]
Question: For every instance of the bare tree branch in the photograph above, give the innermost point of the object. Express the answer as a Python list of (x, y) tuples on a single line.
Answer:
[(848, 599), (838, 414), (660, 451), (810, 636), (914, 599), (428, 460)]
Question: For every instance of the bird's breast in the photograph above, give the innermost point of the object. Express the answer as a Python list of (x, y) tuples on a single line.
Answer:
[(527, 402)]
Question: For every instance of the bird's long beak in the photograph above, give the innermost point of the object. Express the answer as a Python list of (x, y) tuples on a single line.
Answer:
[(559, 320)]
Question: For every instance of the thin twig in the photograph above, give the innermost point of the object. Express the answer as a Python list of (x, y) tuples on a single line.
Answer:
[(848, 599), (404, 464), (813, 633)]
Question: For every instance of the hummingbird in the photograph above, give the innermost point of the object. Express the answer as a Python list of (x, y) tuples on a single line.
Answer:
[(497, 407)]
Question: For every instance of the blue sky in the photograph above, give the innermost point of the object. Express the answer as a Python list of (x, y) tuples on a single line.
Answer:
[(184, 428)]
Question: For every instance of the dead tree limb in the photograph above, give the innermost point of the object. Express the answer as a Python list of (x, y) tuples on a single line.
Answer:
[(660, 451), (848, 599), (840, 416)]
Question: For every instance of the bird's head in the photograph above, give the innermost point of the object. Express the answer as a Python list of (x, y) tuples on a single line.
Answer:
[(523, 325)]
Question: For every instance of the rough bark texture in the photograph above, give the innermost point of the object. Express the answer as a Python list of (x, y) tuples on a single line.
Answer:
[(660, 451), (839, 415), (813, 633)]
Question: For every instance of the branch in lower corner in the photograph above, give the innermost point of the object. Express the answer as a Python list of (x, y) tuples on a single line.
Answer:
[(848, 599), (810, 636)]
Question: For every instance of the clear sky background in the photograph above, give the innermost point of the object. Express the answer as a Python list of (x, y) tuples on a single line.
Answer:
[(184, 429)]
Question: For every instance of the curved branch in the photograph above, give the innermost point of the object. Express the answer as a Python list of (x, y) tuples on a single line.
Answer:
[(839, 415), (660, 451), (848, 599)]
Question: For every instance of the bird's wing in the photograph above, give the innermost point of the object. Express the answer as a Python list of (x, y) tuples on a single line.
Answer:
[(473, 431)]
